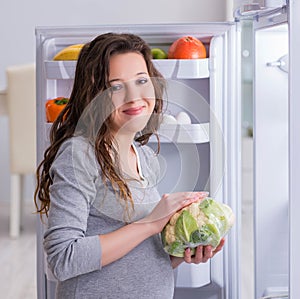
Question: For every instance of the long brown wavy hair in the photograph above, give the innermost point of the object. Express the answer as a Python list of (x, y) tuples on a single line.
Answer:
[(81, 115)]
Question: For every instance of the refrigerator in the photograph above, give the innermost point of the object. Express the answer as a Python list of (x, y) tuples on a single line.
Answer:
[(206, 153)]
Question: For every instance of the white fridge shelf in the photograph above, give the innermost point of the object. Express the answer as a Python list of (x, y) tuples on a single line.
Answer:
[(170, 68), (173, 133), (177, 133)]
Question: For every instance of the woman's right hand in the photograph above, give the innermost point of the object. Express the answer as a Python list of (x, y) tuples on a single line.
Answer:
[(168, 205)]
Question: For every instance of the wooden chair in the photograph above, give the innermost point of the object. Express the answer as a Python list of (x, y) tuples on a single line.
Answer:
[(21, 106)]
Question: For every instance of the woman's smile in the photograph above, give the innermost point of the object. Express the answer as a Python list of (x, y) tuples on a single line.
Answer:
[(134, 110)]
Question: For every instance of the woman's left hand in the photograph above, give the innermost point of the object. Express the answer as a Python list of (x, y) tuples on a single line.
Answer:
[(202, 255)]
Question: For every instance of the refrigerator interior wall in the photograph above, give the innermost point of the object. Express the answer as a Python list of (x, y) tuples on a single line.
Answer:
[(201, 88), (271, 161)]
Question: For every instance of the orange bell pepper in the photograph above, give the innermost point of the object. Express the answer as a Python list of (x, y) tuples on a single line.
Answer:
[(54, 108)]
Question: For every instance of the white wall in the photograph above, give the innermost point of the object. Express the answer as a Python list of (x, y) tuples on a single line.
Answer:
[(18, 20)]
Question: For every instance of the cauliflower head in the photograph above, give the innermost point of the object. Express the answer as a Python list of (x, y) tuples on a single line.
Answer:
[(201, 223)]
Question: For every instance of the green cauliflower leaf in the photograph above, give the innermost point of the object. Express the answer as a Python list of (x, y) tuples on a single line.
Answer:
[(185, 225)]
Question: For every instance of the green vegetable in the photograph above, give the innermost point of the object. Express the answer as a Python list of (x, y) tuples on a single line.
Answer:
[(208, 234), (201, 223), (185, 225), (176, 248)]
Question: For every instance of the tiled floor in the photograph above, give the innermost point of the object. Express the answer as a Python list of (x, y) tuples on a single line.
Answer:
[(18, 257)]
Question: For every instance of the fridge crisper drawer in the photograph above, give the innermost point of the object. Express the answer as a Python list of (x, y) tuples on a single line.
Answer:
[(170, 68)]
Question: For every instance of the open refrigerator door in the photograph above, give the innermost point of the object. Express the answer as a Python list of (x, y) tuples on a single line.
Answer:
[(294, 148), (201, 155), (270, 79)]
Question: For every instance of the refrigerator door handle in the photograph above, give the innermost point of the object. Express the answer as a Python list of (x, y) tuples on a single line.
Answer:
[(282, 63)]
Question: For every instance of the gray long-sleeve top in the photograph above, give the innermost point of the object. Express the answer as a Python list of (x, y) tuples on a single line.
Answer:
[(83, 207)]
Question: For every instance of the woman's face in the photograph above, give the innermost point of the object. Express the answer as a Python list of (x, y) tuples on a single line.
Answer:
[(133, 94)]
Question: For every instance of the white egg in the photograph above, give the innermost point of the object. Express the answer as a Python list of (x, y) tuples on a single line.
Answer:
[(183, 118), (169, 119)]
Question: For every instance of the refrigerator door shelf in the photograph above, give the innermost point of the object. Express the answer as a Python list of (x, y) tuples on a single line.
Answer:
[(190, 133), (183, 68), (170, 68), (169, 133), (276, 292)]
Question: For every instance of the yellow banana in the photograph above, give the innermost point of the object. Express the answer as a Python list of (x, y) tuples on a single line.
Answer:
[(76, 46), (69, 53)]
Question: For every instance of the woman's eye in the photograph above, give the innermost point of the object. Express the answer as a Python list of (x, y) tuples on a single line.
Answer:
[(142, 80), (116, 87)]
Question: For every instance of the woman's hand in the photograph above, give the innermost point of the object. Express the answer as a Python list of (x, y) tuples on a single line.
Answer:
[(118, 243), (168, 205), (202, 255)]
